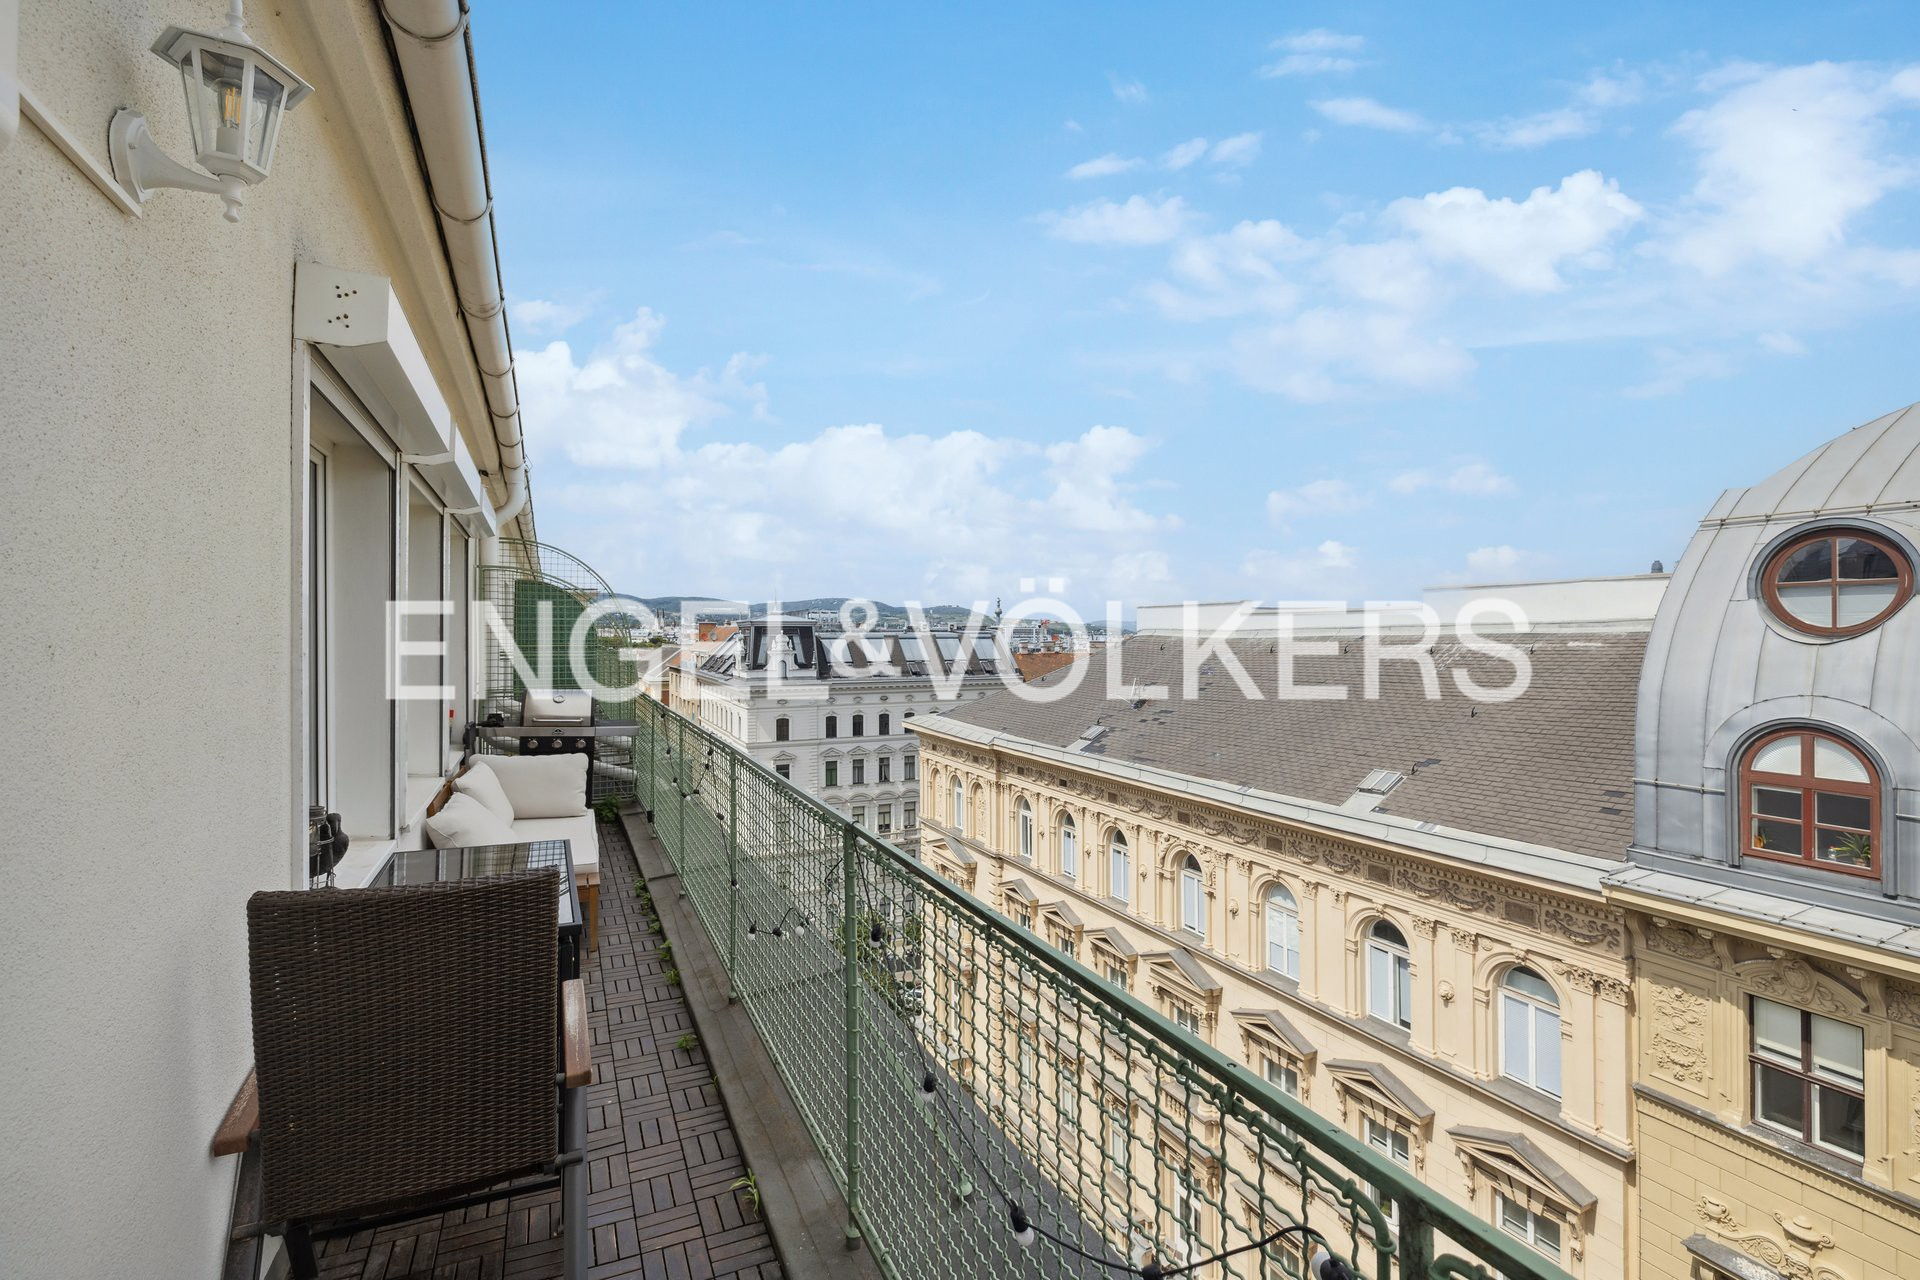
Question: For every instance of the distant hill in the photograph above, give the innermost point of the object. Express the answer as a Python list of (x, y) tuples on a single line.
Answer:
[(889, 613)]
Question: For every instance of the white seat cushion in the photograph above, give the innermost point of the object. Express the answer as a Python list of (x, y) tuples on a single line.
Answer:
[(580, 830), (464, 822), (484, 785), (541, 786)]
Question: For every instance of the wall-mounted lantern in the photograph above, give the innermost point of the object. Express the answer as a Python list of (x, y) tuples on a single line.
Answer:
[(237, 93)]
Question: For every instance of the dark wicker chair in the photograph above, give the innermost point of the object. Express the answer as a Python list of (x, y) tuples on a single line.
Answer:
[(414, 1053)]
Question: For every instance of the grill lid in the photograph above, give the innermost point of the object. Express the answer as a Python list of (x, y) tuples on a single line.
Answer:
[(556, 707)]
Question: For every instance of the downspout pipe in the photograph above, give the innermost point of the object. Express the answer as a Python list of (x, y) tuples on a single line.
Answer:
[(434, 47)]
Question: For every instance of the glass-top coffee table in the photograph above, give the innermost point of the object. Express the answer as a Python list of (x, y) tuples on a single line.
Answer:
[(431, 866)]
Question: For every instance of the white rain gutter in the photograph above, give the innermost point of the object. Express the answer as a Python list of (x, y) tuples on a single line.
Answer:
[(435, 50)]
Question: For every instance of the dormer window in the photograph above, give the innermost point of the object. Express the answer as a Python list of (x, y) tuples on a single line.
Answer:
[(1837, 582), (1811, 798)]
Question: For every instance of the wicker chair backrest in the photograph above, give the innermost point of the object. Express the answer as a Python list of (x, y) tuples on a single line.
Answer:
[(404, 1041)]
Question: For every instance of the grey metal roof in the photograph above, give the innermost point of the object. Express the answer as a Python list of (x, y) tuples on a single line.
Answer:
[(1553, 767), (1897, 937), (1876, 462)]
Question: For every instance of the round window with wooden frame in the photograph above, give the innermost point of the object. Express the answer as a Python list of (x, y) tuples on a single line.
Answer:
[(1811, 798), (1837, 582)]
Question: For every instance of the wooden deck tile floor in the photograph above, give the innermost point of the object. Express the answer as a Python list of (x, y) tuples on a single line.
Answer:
[(661, 1155)]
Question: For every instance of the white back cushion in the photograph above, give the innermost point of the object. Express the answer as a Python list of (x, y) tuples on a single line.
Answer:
[(541, 786), (463, 822), (484, 785)]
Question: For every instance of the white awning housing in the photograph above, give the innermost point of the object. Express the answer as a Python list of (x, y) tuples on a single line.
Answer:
[(356, 320)]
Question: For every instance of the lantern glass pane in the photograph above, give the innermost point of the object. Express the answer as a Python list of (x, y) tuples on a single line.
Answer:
[(264, 121), (222, 77), (196, 119)]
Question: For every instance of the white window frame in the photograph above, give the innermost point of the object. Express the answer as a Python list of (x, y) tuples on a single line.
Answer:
[(1283, 932), (1389, 980), (316, 535), (1069, 848), (959, 801), (1193, 898), (1119, 867), (1529, 1032), (1527, 1229), (1023, 828)]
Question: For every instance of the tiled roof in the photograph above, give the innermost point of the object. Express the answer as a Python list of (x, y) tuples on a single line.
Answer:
[(1552, 767)]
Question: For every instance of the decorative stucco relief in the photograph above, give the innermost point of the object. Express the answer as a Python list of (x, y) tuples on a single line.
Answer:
[(1791, 980), (1792, 1251), (1675, 940), (1678, 1046)]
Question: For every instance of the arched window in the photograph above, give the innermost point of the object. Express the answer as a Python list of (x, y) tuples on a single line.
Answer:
[(1811, 798), (886, 724), (1024, 819), (1283, 932), (1389, 975), (1193, 897), (1119, 867), (1069, 848), (1836, 582), (1530, 1030), (959, 813), (859, 726), (781, 729), (833, 726)]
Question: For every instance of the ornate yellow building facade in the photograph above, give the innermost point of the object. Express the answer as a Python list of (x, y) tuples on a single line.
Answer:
[(1629, 964), (1461, 1003)]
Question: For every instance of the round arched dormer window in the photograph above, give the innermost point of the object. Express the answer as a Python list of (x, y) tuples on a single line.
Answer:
[(1812, 798), (1837, 582)]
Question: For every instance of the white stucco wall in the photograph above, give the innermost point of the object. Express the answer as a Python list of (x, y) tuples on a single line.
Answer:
[(150, 440)]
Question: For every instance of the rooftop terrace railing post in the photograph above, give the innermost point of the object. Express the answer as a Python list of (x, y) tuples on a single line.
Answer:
[(733, 872), (850, 945), (1415, 1237), (680, 790)]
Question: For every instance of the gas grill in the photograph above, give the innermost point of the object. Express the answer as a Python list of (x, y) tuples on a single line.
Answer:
[(556, 722)]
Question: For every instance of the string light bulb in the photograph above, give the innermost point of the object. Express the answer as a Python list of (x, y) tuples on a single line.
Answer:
[(929, 1089), (1324, 1266), (1023, 1233)]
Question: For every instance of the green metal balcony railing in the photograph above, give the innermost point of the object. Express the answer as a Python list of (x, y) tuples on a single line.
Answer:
[(952, 1066)]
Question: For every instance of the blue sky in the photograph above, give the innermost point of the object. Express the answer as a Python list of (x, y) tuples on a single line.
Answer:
[(1207, 301)]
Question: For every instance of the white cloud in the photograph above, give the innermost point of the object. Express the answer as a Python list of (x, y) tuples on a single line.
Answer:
[(1325, 571), (1136, 221), (1788, 158), (950, 516), (1104, 166), (1314, 498), (1520, 243), (1322, 353), (1782, 344), (1088, 475), (1129, 91), (623, 407), (1527, 132), (1473, 479), (1502, 559), (1675, 369), (1580, 117), (1365, 113), (535, 317), (1239, 151), (1314, 53), (1185, 154)]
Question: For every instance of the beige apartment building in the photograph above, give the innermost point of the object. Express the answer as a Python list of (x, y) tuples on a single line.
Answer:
[(1629, 964), (1459, 1001)]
